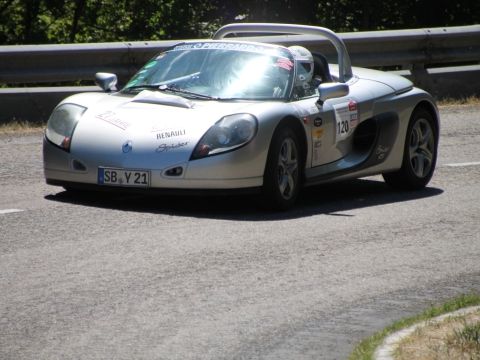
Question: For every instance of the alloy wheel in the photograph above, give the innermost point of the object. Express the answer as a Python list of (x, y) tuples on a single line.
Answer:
[(287, 173), (421, 148)]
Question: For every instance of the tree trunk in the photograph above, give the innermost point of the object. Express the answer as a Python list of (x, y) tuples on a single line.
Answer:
[(79, 12)]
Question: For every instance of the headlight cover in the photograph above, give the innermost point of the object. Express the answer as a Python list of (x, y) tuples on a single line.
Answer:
[(61, 124), (229, 133)]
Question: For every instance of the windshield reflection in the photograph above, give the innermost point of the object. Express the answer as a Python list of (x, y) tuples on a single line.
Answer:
[(262, 73)]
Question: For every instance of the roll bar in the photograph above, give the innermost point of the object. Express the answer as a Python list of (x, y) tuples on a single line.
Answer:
[(344, 63)]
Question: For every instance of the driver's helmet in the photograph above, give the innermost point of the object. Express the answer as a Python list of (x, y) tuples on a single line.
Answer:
[(304, 65)]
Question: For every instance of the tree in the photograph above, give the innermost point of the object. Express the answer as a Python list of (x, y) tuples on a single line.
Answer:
[(61, 21)]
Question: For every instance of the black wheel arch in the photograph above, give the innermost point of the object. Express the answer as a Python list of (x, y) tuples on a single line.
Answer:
[(297, 126)]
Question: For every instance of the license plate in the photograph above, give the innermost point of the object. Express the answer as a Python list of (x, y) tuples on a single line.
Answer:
[(123, 177)]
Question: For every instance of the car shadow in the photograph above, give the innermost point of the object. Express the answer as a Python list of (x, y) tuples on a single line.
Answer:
[(328, 199)]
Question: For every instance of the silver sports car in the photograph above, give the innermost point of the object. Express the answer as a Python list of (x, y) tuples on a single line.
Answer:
[(228, 115)]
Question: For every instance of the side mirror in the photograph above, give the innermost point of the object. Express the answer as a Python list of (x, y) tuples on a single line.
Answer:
[(332, 90), (107, 81)]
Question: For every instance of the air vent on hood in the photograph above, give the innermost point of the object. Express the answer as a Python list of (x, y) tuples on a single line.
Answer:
[(154, 97)]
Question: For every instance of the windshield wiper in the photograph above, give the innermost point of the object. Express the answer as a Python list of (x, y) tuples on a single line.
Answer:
[(177, 90), (172, 89), (250, 99), (144, 86)]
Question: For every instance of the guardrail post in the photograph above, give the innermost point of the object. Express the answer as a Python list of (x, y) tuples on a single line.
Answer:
[(420, 77)]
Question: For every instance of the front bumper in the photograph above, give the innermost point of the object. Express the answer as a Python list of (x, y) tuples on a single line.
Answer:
[(222, 172)]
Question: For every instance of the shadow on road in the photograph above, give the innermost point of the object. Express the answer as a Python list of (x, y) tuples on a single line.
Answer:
[(330, 199)]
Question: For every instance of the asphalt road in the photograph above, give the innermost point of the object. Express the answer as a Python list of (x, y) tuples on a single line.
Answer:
[(124, 277)]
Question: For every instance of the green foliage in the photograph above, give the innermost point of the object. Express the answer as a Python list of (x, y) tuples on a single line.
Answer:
[(366, 348), (61, 21), (364, 15), (469, 335)]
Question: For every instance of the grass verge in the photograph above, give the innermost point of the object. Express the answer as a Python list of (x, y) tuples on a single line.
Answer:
[(20, 127), (472, 100), (467, 339), (450, 338), (366, 348)]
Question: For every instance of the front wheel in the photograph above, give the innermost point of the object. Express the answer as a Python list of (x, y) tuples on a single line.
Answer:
[(419, 155), (282, 177)]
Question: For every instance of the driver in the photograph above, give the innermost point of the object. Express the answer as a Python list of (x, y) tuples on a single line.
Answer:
[(304, 70)]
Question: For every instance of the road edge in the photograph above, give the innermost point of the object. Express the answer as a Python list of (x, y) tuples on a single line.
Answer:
[(387, 348)]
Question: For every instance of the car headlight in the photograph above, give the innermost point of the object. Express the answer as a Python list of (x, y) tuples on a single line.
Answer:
[(229, 133), (61, 124)]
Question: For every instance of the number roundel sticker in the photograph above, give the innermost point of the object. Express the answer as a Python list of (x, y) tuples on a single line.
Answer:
[(346, 117)]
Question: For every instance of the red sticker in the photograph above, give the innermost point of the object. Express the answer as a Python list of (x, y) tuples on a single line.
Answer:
[(352, 106), (284, 64)]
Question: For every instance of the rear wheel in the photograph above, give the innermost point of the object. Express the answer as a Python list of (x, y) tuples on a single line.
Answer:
[(282, 178), (419, 155)]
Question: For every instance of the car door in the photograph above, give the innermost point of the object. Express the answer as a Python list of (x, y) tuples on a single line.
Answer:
[(332, 130)]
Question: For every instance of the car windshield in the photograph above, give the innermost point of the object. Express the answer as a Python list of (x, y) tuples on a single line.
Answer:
[(219, 70)]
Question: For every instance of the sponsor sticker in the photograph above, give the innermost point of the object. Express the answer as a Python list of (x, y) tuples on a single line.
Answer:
[(352, 108), (168, 134), (167, 147), (316, 150), (352, 105), (222, 46), (284, 64), (318, 133), (112, 118), (346, 116), (381, 152)]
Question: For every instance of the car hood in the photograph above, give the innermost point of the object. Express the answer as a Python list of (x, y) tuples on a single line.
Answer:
[(150, 130)]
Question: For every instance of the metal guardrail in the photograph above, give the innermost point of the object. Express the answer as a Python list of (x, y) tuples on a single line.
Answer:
[(424, 55)]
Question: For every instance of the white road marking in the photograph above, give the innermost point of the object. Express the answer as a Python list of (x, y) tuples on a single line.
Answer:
[(8, 211), (476, 163)]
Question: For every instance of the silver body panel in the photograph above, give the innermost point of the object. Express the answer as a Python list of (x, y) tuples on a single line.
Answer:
[(164, 130)]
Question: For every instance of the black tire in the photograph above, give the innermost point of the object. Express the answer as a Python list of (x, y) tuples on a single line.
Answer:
[(283, 171), (419, 154)]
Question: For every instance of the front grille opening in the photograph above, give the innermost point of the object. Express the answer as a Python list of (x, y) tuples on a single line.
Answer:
[(176, 171), (77, 165)]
